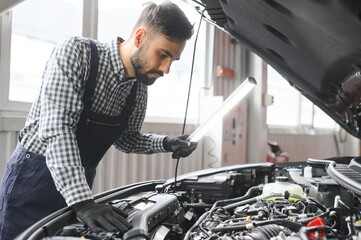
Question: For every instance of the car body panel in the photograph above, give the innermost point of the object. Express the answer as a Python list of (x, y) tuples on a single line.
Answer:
[(315, 45)]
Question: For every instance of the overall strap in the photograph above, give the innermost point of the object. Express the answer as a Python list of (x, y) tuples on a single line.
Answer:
[(90, 83), (94, 139), (130, 103)]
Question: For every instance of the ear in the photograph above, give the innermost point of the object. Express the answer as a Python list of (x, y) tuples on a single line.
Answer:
[(139, 36)]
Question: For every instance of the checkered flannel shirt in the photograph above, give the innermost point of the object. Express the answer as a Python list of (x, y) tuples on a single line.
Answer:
[(51, 124)]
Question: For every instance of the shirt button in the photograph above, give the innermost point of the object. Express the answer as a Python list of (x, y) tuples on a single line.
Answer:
[(115, 70), (27, 155)]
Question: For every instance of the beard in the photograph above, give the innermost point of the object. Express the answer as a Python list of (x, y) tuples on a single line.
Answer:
[(139, 63)]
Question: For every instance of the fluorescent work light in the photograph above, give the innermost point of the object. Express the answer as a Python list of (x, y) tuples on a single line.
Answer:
[(246, 86)]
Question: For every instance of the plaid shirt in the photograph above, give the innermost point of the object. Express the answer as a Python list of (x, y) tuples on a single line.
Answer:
[(51, 124)]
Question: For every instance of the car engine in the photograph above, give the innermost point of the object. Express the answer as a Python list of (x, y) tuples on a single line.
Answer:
[(317, 199)]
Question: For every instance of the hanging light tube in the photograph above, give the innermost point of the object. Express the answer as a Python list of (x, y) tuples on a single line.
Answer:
[(246, 86)]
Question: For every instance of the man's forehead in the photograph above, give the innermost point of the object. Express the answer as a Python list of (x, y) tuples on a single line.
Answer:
[(170, 47)]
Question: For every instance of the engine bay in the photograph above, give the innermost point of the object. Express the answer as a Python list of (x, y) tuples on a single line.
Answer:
[(303, 200)]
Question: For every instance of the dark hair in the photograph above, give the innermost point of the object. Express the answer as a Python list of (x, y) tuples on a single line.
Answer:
[(166, 18)]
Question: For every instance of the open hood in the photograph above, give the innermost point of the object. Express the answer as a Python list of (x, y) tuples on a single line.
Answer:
[(315, 45)]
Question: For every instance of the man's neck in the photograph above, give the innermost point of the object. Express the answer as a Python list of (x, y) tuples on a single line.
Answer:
[(124, 50)]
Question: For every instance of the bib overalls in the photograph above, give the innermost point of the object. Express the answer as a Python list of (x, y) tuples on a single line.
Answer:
[(28, 192)]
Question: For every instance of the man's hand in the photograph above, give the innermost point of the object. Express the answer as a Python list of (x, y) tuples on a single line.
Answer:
[(179, 146), (101, 217)]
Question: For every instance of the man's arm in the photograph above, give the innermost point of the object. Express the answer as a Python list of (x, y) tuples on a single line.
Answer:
[(61, 105), (134, 141)]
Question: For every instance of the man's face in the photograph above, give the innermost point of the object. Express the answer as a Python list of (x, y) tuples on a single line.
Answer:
[(154, 58)]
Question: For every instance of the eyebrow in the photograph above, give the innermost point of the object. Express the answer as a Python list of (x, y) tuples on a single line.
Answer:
[(168, 54)]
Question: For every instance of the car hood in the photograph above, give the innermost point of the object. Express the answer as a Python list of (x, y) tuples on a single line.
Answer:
[(315, 45)]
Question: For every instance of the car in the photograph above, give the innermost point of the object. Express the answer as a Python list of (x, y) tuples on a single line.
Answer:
[(316, 199), (316, 46)]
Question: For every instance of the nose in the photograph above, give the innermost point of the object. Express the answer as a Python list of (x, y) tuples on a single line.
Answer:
[(165, 66)]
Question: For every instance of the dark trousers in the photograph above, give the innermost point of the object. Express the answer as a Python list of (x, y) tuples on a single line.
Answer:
[(27, 193)]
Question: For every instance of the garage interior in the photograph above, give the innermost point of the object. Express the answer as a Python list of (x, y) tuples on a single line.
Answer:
[(221, 64)]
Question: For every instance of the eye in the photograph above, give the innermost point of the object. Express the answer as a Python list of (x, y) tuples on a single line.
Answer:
[(163, 55)]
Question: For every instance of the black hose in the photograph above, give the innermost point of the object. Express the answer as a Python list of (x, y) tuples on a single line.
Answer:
[(244, 202), (255, 199), (201, 218), (238, 227)]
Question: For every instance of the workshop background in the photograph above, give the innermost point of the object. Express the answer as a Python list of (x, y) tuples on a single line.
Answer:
[(273, 112)]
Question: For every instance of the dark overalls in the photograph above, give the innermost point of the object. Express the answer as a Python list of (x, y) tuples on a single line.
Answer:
[(28, 192)]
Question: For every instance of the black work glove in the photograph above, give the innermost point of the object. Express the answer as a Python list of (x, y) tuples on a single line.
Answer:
[(101, 217), (179, 146)]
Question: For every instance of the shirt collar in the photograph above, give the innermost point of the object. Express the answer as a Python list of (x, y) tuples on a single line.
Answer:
[(115, 60)]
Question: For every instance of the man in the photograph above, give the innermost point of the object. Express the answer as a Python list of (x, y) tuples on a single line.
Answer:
[(93, 95)]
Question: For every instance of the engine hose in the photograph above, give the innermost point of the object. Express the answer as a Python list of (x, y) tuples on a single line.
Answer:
[(239, 227), (309, 219), (244, 202), (199, 205), (294, 226), (248, 193), (266, 232), (261, 197), (187, 236)]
